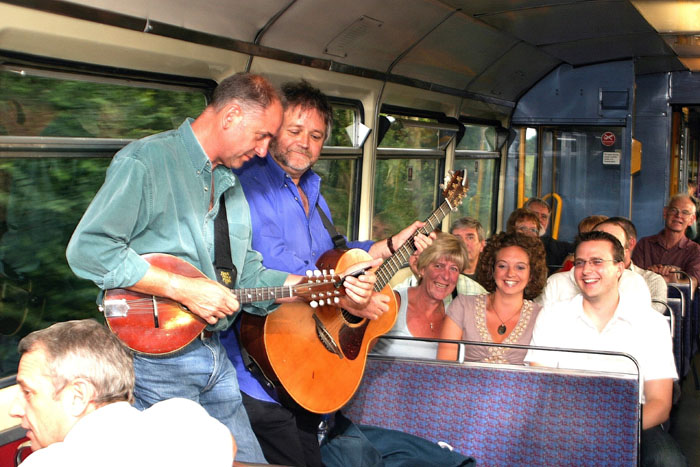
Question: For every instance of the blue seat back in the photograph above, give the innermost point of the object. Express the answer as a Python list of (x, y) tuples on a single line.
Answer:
[(505, 415)]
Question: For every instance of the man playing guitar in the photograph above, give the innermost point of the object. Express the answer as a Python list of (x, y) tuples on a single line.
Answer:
[(162, 195), (284, 183)]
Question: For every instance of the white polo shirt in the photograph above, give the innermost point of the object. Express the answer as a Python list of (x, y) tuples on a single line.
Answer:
[(638, 331)]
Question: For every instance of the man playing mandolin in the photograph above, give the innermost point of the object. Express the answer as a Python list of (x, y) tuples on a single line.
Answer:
[(162, 194), (292, 229)]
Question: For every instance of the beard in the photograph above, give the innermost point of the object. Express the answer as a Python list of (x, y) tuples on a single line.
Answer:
[(293, 158)]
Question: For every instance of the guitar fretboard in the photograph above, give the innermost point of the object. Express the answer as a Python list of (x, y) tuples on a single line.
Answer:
[(390, 266)]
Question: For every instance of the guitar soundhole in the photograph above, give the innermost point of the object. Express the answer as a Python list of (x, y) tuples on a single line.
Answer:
[(352, 319)]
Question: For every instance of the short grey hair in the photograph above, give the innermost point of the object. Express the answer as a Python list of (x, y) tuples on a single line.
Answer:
[(539, 201), (85, 349), (469, 223)]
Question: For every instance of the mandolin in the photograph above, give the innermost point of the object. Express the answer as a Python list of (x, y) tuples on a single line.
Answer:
[(156, 325), (316, 356)]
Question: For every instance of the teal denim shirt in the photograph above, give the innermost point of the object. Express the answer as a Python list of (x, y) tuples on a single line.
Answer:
[(155, 199)]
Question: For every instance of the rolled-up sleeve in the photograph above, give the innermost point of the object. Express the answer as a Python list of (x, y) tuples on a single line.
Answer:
[(99, 248)]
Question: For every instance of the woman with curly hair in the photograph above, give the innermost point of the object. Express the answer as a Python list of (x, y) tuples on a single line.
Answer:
[(513, 269)]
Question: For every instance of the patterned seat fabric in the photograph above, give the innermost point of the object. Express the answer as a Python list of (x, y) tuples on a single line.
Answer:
[(503, 416)]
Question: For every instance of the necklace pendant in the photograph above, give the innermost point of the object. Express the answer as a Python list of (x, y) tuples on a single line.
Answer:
[(501, 329)]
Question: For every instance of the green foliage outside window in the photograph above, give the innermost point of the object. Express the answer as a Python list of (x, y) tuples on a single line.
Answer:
[(43, 198)]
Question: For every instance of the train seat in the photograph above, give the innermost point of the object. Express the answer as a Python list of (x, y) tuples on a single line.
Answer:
[(505, 415)]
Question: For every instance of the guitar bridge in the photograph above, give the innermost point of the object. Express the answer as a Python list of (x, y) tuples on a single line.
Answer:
[(326, 339)]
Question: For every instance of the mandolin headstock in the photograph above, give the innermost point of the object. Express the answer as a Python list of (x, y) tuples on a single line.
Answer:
[(320, 288)]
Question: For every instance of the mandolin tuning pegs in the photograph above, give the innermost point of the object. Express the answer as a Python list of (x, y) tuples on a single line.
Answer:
[(336, 300), (309, 273), (317, 273), (313, 304), (332, 272), (321, 302)]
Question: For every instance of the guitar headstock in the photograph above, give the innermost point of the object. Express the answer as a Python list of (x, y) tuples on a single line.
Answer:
[(455, 187), (320, 288)]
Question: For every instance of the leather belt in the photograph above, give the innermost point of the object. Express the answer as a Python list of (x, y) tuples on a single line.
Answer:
[(206, 334)]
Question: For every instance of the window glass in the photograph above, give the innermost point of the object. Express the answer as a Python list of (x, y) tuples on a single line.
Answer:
[(478, 138), (402, 133), (338, 189), (522, 152), (42, 198), (481, 199), (45, 106), (405, 190), (41, 202), (345, 126)]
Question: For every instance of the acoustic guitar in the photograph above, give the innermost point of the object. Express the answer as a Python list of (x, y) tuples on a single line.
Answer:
[(317, 356), (156, 325)]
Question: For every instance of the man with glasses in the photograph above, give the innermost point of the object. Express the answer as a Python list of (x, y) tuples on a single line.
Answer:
[(563, 286), (670, 253), (600, 318)]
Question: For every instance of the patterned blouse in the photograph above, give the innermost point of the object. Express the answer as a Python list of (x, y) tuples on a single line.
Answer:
[(469, 313)]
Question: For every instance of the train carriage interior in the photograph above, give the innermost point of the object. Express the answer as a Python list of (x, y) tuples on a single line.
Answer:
[(593, 105)]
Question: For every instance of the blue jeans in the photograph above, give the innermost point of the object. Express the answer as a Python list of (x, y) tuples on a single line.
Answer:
[(203, 373), (659, 449)]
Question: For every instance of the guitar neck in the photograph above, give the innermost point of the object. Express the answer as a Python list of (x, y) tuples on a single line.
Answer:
[(396, 261)]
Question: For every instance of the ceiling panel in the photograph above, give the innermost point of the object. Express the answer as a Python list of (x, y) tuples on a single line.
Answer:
[(456, 52), (516, 71), (604, 49), (239, 20), (374, 47), (482, 7), (570, 21)]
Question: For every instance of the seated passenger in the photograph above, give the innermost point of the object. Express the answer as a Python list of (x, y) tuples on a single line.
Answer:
[(585, 225), (466, 285), (602, 319), (562, 286), (670, 251), (557, 250), (472, 234), (523, 221), (624, 230), (76, 384), (514, 271), (421, 308)]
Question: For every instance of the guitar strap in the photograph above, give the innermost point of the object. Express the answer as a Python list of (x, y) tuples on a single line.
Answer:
[(223, 263), (339, 241)]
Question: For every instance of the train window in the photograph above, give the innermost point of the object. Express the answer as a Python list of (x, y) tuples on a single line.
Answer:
[(57, 136), (521, 169), (570, 163), (339, 167), (407, 172), (478, 138), (34, 103), (476, 153)]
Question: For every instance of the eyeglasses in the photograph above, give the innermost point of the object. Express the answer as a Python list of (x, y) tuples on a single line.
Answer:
[(527, 230), (677, 212), (594, 262)]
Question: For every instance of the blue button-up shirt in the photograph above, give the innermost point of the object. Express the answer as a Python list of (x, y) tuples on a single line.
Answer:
[(155, 199), (288, 239)]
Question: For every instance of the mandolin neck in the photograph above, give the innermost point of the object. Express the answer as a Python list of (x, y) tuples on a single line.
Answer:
[(262, 294), (396, 261)]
